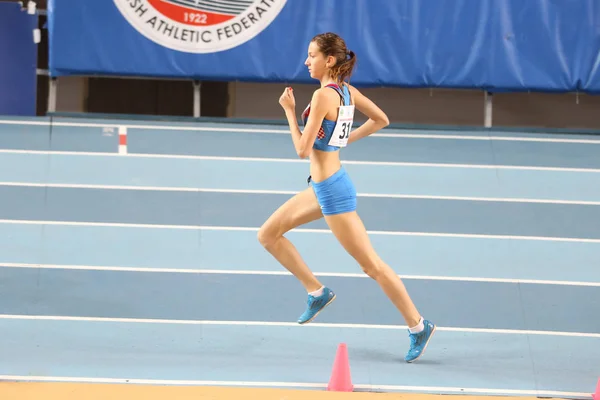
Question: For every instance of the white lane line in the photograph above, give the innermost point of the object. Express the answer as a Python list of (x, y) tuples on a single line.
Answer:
[(299, 230), (149, 188), (61, 318), (286, 273), (293, 192), (298, 385), (298, 160), (485, 136), (118, 124)]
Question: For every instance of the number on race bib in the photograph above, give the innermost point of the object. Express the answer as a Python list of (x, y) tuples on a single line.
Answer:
[(343, 126), (345, 130)]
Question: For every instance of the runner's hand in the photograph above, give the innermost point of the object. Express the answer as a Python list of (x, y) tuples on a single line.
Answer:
[(287, 100)]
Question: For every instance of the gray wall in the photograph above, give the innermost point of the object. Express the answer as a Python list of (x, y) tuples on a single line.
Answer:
[(418, 106), (439, 106)]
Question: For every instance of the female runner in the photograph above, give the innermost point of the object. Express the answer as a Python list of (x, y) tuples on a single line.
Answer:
[(333, 195)]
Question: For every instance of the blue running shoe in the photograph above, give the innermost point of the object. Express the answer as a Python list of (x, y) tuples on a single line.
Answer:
[(315, 305), (419, 342)]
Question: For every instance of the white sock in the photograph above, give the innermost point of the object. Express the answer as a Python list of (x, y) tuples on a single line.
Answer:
[(418, 328), (317, 292)]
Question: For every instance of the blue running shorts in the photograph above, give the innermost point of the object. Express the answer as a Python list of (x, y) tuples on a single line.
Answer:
[(336, 194)]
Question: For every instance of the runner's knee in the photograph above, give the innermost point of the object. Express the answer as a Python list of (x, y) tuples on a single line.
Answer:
[(372, 266), (268, 235), (264, 237)]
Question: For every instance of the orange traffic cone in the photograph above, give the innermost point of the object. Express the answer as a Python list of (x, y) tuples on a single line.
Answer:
[(341, 380), (596, 395)]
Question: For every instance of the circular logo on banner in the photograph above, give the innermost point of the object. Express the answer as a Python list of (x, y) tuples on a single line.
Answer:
[(200, 26)]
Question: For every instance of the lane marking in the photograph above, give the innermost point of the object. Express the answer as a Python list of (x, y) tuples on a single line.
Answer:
[(449, 136), (286, 273), (304, 385), (149, 127), (293, 192), (299, 230), (298, 160), (289, 324)]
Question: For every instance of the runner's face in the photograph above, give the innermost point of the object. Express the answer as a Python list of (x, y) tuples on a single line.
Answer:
[(316, 62)]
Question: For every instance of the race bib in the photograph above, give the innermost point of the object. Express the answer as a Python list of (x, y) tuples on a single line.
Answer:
[(343, 125)]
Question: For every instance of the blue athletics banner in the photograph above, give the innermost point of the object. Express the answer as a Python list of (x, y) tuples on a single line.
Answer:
[(508, 45)]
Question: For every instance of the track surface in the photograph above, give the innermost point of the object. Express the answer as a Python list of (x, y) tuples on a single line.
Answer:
[(145, 266)]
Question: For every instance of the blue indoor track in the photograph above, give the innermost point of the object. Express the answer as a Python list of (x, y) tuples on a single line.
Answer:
[(145, 266)]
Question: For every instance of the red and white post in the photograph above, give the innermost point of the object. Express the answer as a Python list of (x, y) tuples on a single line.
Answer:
[(122, 140)]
